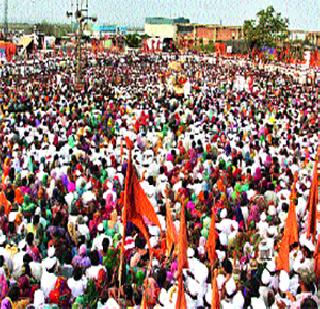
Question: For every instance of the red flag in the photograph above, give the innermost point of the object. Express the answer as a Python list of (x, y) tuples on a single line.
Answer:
[(137, 204), (215, 299), (313, 202), (171, 234), (211, 244)]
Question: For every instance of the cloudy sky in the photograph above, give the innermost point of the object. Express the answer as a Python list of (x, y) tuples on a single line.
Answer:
[(303, 14)]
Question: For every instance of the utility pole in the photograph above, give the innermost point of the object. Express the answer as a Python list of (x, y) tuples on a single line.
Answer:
[(81, 15), (5, 23)]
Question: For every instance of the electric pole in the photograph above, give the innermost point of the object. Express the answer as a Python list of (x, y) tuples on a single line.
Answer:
[(81, 15), (5, 23)]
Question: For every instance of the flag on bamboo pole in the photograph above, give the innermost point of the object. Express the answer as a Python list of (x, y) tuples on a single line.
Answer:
[(136, 203)]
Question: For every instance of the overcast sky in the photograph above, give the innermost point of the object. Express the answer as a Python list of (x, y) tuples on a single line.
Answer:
[(303, 14)]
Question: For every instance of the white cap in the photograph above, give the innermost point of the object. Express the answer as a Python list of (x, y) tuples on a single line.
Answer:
[(51, 251), (223, 213), (100, 227), (190, 252), (12, 216)]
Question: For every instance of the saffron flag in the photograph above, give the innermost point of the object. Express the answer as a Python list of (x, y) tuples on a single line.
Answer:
[(171, 235), (282, 260), (211, 244), (290, 234), (292, 225), (129, 143), (313, 202), (183, 243), (136, 203)]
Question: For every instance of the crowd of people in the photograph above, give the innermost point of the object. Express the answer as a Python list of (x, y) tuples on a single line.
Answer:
[(232, 146)]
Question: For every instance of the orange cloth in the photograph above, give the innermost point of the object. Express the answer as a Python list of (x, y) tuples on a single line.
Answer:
[(211, 244), (312, 203), (171, 235)]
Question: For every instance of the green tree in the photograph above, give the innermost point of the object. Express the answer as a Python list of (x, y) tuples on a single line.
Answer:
[(133, 40), (269, 29)]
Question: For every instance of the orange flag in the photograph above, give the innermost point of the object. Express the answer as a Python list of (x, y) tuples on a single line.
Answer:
[(129, 143), (211, 244), (282, 260), (182, 258), (290, 234), (136, 203), (181, 299), (215, 300), (312, 203), (171, 235), (183, 242), (291, 226)]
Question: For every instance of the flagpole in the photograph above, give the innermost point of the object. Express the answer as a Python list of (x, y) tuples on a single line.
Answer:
[(124, 223)]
